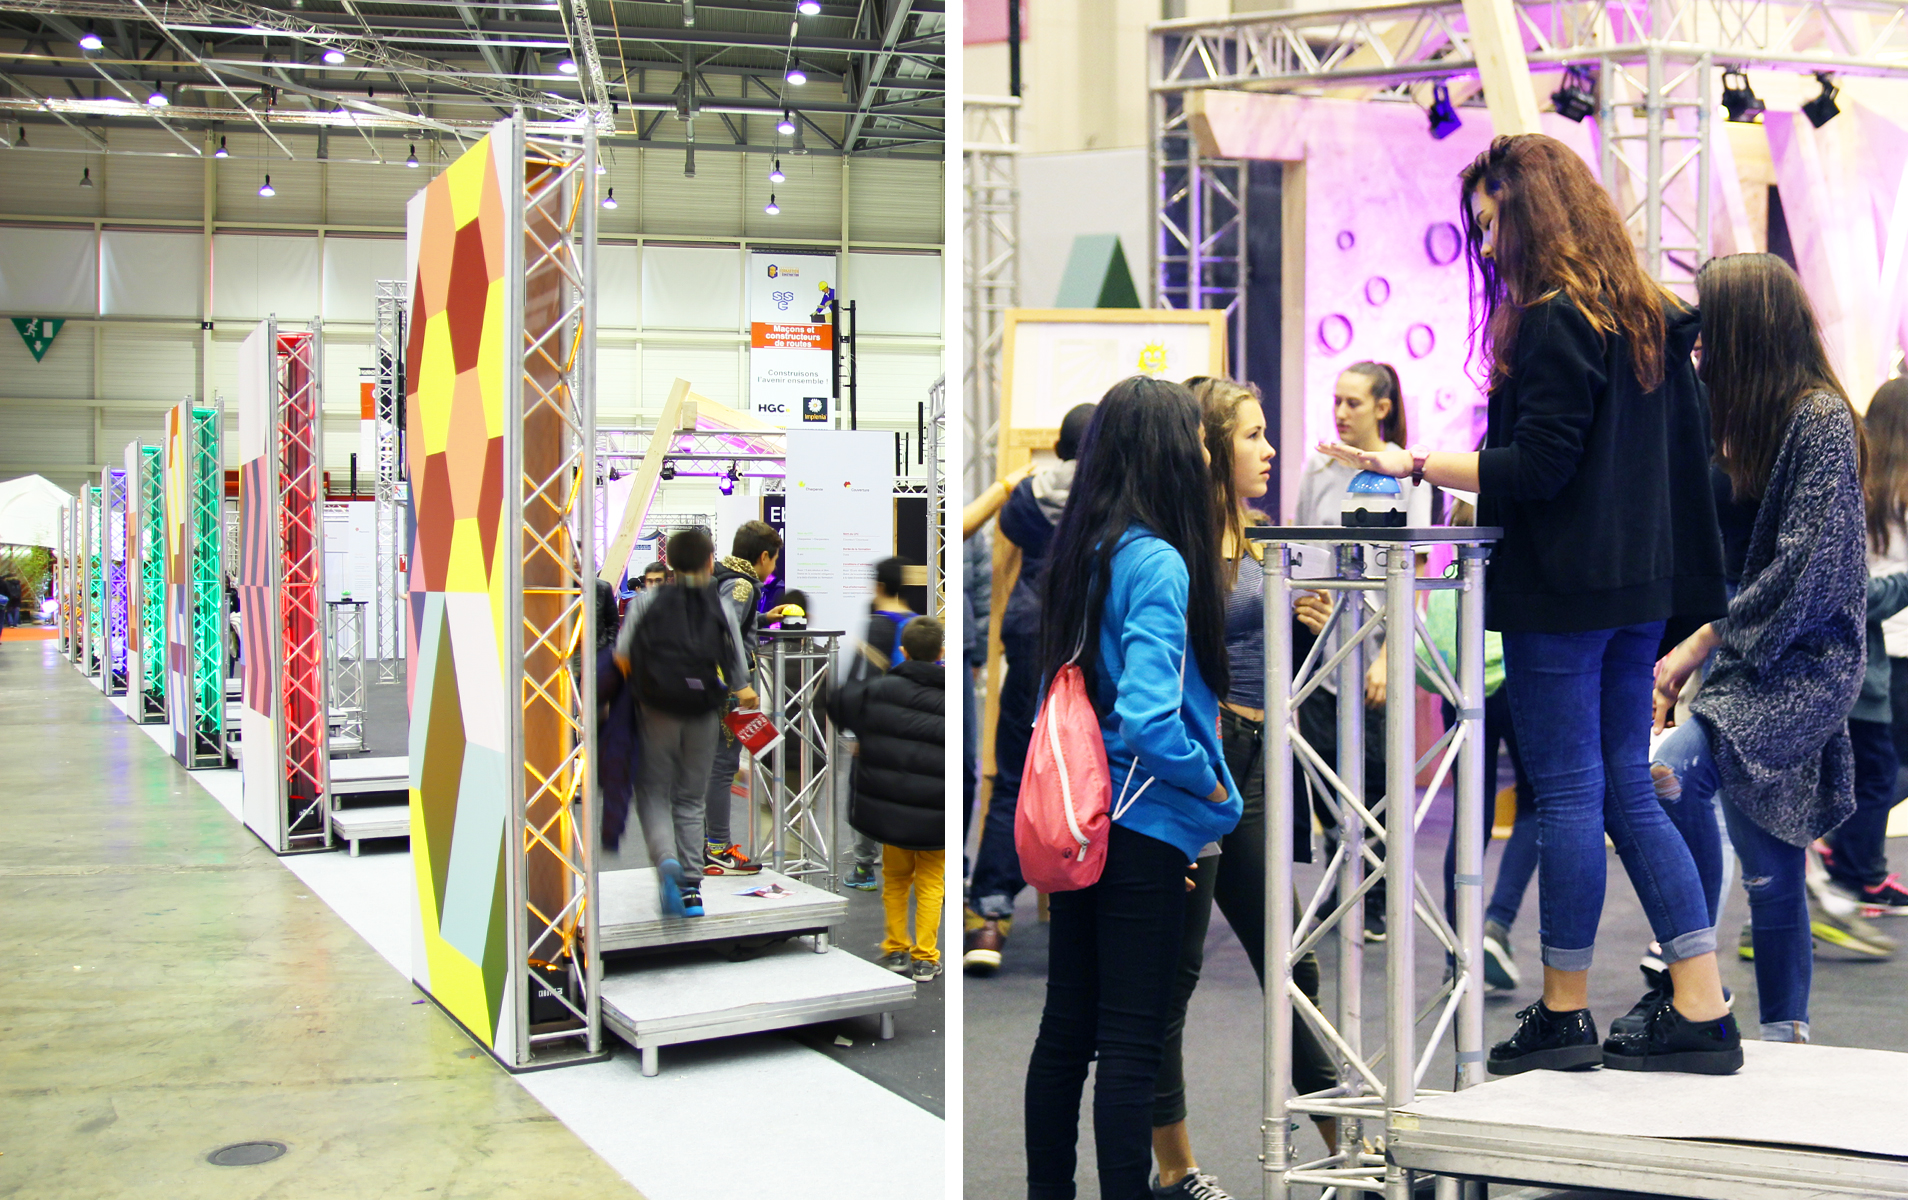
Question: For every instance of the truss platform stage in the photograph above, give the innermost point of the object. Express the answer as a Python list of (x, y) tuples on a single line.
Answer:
[(353, 825), (1796, 1122), (630, 910), (359, 776), (700, 993)]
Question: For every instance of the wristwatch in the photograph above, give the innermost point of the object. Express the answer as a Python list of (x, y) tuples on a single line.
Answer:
[(1418, 455)]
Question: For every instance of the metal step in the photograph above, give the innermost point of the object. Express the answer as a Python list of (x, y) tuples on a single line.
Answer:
[(385, 820), (630, 910), (700, 994), (356, 776)]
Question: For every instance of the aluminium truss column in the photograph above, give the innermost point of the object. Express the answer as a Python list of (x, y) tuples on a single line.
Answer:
[(1372, 1084), (991, 166), (549, 497), (95, 637), (65, 578), (387, 341), (196, 640), (936, 451), (1198, 217), (145, 552), (115, 586), (800, 774), (1663, 197)]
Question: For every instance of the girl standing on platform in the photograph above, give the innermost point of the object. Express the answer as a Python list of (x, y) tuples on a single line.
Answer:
[(1770, 730), (1133, 580), (1595, 463)]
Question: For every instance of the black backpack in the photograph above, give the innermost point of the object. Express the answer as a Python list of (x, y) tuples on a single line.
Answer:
[(680, 646)]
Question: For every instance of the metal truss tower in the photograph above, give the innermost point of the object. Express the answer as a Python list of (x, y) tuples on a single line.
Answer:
[(387, 350), (990, 162)]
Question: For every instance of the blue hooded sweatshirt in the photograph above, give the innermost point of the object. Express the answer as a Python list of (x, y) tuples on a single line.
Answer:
[(1172, 730)]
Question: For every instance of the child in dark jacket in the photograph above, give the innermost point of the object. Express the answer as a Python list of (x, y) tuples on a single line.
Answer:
[(899, 719)]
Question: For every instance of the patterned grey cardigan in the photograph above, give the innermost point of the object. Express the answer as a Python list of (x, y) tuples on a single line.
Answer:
[(1789, 667)]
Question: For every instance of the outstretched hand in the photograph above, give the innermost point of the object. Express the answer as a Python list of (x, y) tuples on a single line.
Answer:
[(1386, 460)]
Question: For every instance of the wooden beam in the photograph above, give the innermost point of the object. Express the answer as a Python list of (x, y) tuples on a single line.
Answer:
[(1501, 66), (647, 476)]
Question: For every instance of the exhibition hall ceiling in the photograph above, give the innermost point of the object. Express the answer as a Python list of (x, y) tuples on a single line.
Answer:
[(854, 77)]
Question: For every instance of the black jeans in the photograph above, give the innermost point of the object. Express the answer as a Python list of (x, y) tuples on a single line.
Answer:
[(1318, 724), (1859, 859), (996, 880), (1112, 952), (1235, 880)]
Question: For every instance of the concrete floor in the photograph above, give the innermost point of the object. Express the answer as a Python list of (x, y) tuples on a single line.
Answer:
[(171, 988), (1853, 1003)]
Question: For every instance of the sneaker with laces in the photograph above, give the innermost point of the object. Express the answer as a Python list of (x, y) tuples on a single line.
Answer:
[(1545, 1040), (1656, 980), (670, 887), (924, 971), (898, 962), (862, 879), (727, 860), (691, 902), (1669, 1041), (1500, 969), (1886, 899), (1833, 918), (1196, 1186), (1746, 943), (980, 955)]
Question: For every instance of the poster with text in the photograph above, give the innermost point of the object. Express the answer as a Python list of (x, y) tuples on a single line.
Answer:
[(840, 521), (791, 355)]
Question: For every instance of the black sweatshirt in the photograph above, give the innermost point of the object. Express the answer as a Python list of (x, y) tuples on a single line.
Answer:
[(900, 786), (1602, 490)]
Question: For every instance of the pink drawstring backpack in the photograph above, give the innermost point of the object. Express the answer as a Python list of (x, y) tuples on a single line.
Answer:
[(1062, 824)]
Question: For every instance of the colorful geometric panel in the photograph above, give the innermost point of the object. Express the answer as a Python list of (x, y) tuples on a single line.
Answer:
[(455, 379)]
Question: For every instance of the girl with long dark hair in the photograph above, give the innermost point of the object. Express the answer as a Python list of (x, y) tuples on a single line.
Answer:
[(1133, 593), (1770, 732), (1595, 463)]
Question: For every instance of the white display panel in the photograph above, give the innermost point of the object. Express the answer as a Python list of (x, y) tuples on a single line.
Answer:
[(1058, 364), (692, 287), (255, 277), (151, 274), (840, 521), (48, 272), (351, 549), (895, 293)]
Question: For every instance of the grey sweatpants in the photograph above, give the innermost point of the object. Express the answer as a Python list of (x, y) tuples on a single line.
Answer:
[(677, 753), (728, 760)]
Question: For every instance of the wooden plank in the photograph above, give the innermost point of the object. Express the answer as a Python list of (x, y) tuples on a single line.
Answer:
[(647, 476)]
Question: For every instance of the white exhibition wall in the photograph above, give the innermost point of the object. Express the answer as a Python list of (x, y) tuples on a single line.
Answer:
[(126, 264)]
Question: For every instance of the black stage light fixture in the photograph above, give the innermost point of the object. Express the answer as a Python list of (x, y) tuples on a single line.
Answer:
[(1444, 118), (1577, 98), (1739, 100), (668, 470), (1821, 110)]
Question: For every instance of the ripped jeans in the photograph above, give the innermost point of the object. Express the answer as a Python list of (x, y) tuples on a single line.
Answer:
[(1771, 875)]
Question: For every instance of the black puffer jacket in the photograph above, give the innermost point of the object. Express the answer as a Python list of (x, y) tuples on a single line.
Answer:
[(899, 779)]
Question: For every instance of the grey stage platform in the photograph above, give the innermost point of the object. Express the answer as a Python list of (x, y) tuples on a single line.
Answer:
[(1795, 1122), (629, 914), (363, 776), (700, 994)]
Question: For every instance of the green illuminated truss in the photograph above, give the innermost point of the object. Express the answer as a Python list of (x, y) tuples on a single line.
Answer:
[(95, 582), (205, 503), (150, 703)]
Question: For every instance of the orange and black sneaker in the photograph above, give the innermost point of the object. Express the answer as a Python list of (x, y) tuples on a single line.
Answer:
[(727, 860)]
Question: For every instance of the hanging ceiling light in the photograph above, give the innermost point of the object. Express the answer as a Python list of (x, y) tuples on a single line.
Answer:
[(334, 56), (602, 168), (1444, 118), (1577, 98), (609, 200), (775, 172), (771, 208), (86, 177), (90, 41), (221, 152), (1821, 110), (266, 190), (786, 125), (157, 99), (412, 160), (566, 66), (808, 8), (796, 75), (1739, 100)]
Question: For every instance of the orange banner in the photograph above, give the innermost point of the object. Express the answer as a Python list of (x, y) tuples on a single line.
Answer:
[(367, 402), (765, 335)]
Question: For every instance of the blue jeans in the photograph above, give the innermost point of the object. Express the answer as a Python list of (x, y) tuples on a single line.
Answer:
[(1581, 706), (1771, 874), (1857, 859), (996, 880)]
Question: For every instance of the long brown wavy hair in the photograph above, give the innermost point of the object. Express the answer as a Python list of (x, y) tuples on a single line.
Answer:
[(1219, 401), (1557, 232), (1762, 354), (1885, 487)]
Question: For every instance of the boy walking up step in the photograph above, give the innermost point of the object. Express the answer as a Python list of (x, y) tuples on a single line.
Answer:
[(738, 581), (681, 651), (899, 719)]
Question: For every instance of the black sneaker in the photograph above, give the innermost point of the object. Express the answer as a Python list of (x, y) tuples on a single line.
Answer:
[(1672, 1042), (1657, 979), (691, 902), (1500, 969), (1374, 922), (1549, 1041), (1191, 1187)]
